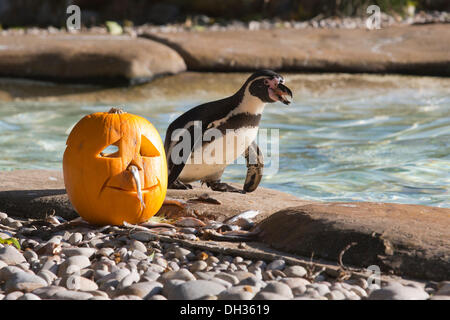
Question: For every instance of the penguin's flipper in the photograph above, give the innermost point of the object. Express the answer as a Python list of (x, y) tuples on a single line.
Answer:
[(179, 150), (255, 163)]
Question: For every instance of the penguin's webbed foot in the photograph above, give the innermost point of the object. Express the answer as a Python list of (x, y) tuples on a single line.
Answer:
[(177, 184), (222, 187)]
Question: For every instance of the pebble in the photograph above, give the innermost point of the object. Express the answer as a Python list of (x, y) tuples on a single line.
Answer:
[(279, 289), (295, 271), (144, 236), (155, 268), (11, 256), (206, 275), (189, 230), (29, 296), (127, 297), (76, 282), (241, 275), (196, 289), (335, 295), (70, 252), (71, 295), (226, 284), (198, 265), (397, 291), (170, 285), (105, 252), (157, 297), (269, 296), (114, 277), (276, 265), (212, 259), (139, 255), (13, 295), (129, 279), (182, 274), (298, 290), (253, 281), (24, 281), (241, 292), (295, 282), (359, 291), (181, 253), (161, 262), (138, 245), (228, 277), (149, 275), (76, 238), (30, 255), (47, 275), (321, 288), (78, 261), (143, 290)]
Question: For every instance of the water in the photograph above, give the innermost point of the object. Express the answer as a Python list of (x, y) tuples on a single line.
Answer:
[(345, 138)]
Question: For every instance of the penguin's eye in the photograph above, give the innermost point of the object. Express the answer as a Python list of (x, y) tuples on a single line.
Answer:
[(267, 82)]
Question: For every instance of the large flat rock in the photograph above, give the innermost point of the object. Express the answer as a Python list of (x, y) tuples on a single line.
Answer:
[(411, 240), (417, 50), (35, 193), (87, 58)]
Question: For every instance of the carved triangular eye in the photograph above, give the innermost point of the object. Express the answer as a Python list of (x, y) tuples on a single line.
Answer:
[(111, 151), (148, 149)]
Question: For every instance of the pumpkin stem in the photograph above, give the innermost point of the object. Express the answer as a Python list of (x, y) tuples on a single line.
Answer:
[(116, 110)]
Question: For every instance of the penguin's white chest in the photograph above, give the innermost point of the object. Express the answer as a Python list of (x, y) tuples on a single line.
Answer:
[(209, 161)]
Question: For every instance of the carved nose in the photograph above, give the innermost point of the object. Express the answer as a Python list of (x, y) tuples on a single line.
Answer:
[(135, 164)]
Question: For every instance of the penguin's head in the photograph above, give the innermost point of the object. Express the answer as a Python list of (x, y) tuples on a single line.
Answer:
[(268, 86)]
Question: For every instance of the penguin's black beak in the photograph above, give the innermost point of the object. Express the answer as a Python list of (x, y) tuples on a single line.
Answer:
[(278, 91), (282, 92)]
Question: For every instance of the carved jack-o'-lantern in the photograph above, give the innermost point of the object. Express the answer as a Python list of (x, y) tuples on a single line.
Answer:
[(115, 168)]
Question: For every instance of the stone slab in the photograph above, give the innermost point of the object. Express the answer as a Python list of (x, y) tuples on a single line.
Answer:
[(418, 50), (411, 240), (82, 58)]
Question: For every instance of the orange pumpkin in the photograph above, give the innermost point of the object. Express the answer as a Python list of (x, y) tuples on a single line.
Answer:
[(129, 184)]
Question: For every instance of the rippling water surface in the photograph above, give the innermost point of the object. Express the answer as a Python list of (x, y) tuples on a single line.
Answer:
[(345, 138)]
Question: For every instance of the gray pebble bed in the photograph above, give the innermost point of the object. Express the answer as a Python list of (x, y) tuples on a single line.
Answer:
[(129, 264), (202, 23)]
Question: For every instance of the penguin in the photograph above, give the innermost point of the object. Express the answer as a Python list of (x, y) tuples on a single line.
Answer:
[(222, 130)]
